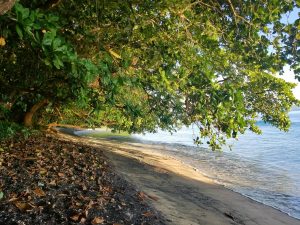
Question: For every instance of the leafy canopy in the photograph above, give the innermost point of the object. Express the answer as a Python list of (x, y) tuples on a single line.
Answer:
[(142, 65)]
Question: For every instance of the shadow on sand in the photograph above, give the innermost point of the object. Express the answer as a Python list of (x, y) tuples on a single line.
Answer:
[(178, 192)]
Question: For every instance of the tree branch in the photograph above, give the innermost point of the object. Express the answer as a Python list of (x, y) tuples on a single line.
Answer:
[(6, 5), (29, 115), (236, 15)]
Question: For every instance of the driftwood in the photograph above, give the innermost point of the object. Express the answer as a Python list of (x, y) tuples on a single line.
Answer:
[(6, 5), (51, 127)]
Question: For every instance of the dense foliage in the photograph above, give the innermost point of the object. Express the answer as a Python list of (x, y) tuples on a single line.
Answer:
[(142, 65), (15, 131)]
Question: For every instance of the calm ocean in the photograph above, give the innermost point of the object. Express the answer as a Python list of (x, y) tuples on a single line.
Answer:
[(263, 167)]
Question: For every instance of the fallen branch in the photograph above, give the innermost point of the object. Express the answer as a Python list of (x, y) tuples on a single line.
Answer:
[(51, 126)]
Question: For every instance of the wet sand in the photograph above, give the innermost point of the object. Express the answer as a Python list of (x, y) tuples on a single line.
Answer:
[(183, 195)]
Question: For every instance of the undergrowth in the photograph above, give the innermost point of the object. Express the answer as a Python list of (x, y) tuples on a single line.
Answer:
[(10, 130)]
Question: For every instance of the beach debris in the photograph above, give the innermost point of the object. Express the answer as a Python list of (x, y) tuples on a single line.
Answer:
[(147, 214), (74, 182), (142, 196), (97, 220), (75, 217), (39, 192), (61, 174), (153, 197), (23, 206)]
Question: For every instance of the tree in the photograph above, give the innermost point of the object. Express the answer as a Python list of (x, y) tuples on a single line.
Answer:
[(142, 65), (6, 5)]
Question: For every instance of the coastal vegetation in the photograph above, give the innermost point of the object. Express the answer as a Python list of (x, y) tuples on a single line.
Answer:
[(139, 66)]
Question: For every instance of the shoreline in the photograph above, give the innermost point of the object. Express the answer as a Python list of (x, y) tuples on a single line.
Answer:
[(164, 149), (215, 181), (180, 191)]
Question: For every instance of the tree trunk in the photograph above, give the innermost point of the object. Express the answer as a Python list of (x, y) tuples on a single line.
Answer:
[(29, 115), (6, 5)]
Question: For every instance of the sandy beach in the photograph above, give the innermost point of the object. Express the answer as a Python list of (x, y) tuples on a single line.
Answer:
[(182, 194)]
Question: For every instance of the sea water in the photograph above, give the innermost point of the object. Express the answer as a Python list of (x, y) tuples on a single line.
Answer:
[(263, 167)]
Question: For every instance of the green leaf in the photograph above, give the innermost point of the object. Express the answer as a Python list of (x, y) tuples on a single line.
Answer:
[(74, 69), (56, 43), (53, 18), (57, 62), (49, 38), (1, 195), (63, 48), (25, 13), (106, 80), (47, 62), (19, 31), (21, 11)]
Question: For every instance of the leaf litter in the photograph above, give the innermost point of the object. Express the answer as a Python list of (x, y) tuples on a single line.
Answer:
[(44, 180)]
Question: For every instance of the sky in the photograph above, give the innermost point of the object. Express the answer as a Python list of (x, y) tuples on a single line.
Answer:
[(290, 77)]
